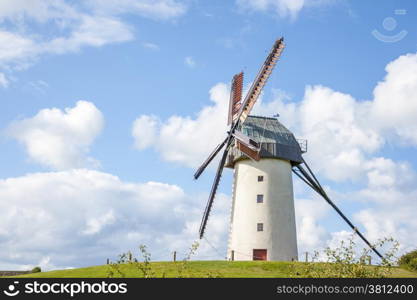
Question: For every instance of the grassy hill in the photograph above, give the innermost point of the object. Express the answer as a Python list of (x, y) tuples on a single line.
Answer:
[(242, 269)]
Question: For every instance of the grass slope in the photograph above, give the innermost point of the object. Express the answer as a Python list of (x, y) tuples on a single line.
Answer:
[(241, 269)]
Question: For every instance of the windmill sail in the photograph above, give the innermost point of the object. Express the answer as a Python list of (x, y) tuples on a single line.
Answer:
[(248, 151), (244, 109), (238, 111), (261, 79), (209, 159), (246, 140), (235, 98), (310, 179), (213, 190), (246, 145)]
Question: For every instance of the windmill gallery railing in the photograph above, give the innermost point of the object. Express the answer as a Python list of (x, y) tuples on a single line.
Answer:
[(303, 145)]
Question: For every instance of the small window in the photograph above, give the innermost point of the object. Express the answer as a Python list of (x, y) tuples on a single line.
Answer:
[(260, 178), (259, 198), (260, 226)]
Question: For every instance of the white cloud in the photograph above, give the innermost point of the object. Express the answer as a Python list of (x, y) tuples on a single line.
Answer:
[(94, 31), (391, 188), (384, 172), (60, 139), (4, 82), (186, 140), (38, 85), (95, 225), (81, 217), (41, 11), (189, 62), (151, 46), (340, 121), (144, 131), (283, 8), (70, 26), (281, 104), (394, 108), (310, 234), (397, 221), (155, 9), (14, 48)]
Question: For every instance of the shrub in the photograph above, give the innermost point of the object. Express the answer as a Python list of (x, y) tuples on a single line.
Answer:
[(409, 260), (413, 264), (36, 270)]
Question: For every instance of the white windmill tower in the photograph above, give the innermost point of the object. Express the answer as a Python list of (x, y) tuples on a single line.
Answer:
[(262, 214), (263, 154)]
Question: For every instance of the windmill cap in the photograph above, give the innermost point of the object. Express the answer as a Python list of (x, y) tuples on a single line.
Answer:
[(275, 139)]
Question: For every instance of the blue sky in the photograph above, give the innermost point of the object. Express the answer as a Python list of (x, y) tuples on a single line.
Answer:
[(152, 76)]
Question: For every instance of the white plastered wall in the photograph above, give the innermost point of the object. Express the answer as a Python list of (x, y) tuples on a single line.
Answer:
[(276, 212)]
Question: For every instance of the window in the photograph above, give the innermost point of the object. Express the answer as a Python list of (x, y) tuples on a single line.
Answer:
[(260, 178), (259, 198), (260, 226)]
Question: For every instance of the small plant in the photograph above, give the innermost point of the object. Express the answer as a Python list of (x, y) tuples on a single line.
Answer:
[(343, 261), (114, 268), (183, 265), (36, 270), (145, 266), (127, 260)]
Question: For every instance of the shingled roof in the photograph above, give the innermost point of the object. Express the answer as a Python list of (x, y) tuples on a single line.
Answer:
[(275, 139)]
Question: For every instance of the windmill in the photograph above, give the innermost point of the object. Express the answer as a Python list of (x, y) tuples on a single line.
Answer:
[(263, 154)]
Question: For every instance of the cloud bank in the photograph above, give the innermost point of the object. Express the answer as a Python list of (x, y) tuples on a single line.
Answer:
[(81, 217), (60, 139), (68, 26)]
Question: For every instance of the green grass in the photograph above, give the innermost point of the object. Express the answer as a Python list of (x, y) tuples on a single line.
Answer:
[(241, 269)]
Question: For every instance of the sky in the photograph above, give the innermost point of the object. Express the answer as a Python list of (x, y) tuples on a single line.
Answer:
[(108, 107)]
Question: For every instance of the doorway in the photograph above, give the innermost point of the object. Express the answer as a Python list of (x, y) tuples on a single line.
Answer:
[(259, 254)]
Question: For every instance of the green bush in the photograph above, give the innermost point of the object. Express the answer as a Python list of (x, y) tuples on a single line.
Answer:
[(409, 259), (36, 270), (413, 264)]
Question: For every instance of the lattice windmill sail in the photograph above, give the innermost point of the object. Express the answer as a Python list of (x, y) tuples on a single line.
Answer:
[(263, 154), (235, 98)]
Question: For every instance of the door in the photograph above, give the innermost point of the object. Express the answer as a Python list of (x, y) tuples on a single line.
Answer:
[(259, 254)]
